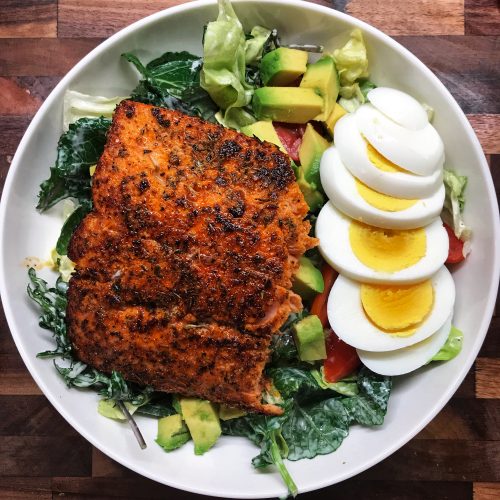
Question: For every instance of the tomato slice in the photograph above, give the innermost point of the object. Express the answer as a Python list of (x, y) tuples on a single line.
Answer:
[(318, 306), (341, 358), (291, 137), (456, 249)]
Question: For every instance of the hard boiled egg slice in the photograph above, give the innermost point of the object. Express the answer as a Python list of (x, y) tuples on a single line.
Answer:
[(381, 176), (400, 107), (348, 319), (409, 358), (418, 151), (375, 255), (362, 203)]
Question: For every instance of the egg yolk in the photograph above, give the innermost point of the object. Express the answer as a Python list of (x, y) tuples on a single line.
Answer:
[(381, 162), (398, 310), (387, 250), (382, 201)]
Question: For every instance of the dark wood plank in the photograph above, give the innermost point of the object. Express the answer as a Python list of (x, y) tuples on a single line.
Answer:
[(47, 57), (15, 378), (486, 491), (470, 419), (44, 456), (440, 460), (469, 66), (467, 388), (22, 18), (31, 416), (418, 17), (487, 379), (20, 488), (482, 17), (13, 128)]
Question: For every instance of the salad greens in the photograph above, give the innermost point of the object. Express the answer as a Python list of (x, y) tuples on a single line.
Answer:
[(454, 203), (451, 347), (173, 81), (78, 149)]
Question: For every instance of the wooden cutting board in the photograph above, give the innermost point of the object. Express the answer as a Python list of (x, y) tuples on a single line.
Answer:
[(456, 457)]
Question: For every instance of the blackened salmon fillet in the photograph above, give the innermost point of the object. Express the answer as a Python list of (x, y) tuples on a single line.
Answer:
[(184, 266)]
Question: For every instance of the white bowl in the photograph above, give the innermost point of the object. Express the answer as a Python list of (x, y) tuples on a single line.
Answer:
[(226, 470)]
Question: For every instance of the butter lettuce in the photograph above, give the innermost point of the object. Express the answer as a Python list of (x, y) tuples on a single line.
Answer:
[(351, 60), (454, 206), (78, 105), (226, 54), (451, 347)]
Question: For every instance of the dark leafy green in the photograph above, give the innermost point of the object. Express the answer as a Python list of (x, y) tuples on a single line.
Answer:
[(78, 149), (173, 81), (70, 225)]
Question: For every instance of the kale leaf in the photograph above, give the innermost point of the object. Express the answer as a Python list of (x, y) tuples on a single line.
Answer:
[(71, 224), (78, 149), (173, 81)]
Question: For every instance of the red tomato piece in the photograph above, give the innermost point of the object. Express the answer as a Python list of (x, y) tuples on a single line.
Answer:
[(318, 306), (291, 137), (456, 249), (341, 358)]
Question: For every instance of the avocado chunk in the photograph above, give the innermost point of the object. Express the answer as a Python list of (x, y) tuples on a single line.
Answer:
[(310, 152), (283, 66), (310, 339), (322, 76), (337, 113), (172, 432), (286, 104), (109, 408), (308, 281), (314, 198), (229, 412), (203, 423), (264, 131)]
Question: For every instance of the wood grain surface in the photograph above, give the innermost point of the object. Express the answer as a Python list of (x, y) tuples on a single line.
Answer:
[(457, 456)]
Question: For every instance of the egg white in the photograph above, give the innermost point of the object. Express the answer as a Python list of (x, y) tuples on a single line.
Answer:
[(409, 358), (352, 150), (349, 321), (399, 106), (340, 187), (332, 229), (419, 151)]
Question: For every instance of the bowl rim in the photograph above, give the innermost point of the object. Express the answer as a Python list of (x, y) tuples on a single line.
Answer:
[(333, 14)]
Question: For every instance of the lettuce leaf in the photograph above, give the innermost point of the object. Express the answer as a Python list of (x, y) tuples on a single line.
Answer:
[(451, 347), (351, 60), (254, 45), (454, 205), (78, 105), (224, 64)]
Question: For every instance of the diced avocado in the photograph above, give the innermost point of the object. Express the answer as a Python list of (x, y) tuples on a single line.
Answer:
[(264, 131), (322, 76), (314, 198), (308, 280), (337, 113), (286, 104), (282, 66), (203, 423), (172, 432), (229, 412), (310, 339), (109, 408), (310, 152)]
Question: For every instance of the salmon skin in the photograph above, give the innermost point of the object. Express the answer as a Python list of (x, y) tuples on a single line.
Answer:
[(184, 267)]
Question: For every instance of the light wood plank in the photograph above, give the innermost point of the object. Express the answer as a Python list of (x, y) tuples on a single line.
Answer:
[(22, 18), (487, 378), (487, 128), (486, 491), (95, 18), (418, 17), (16, 100)]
